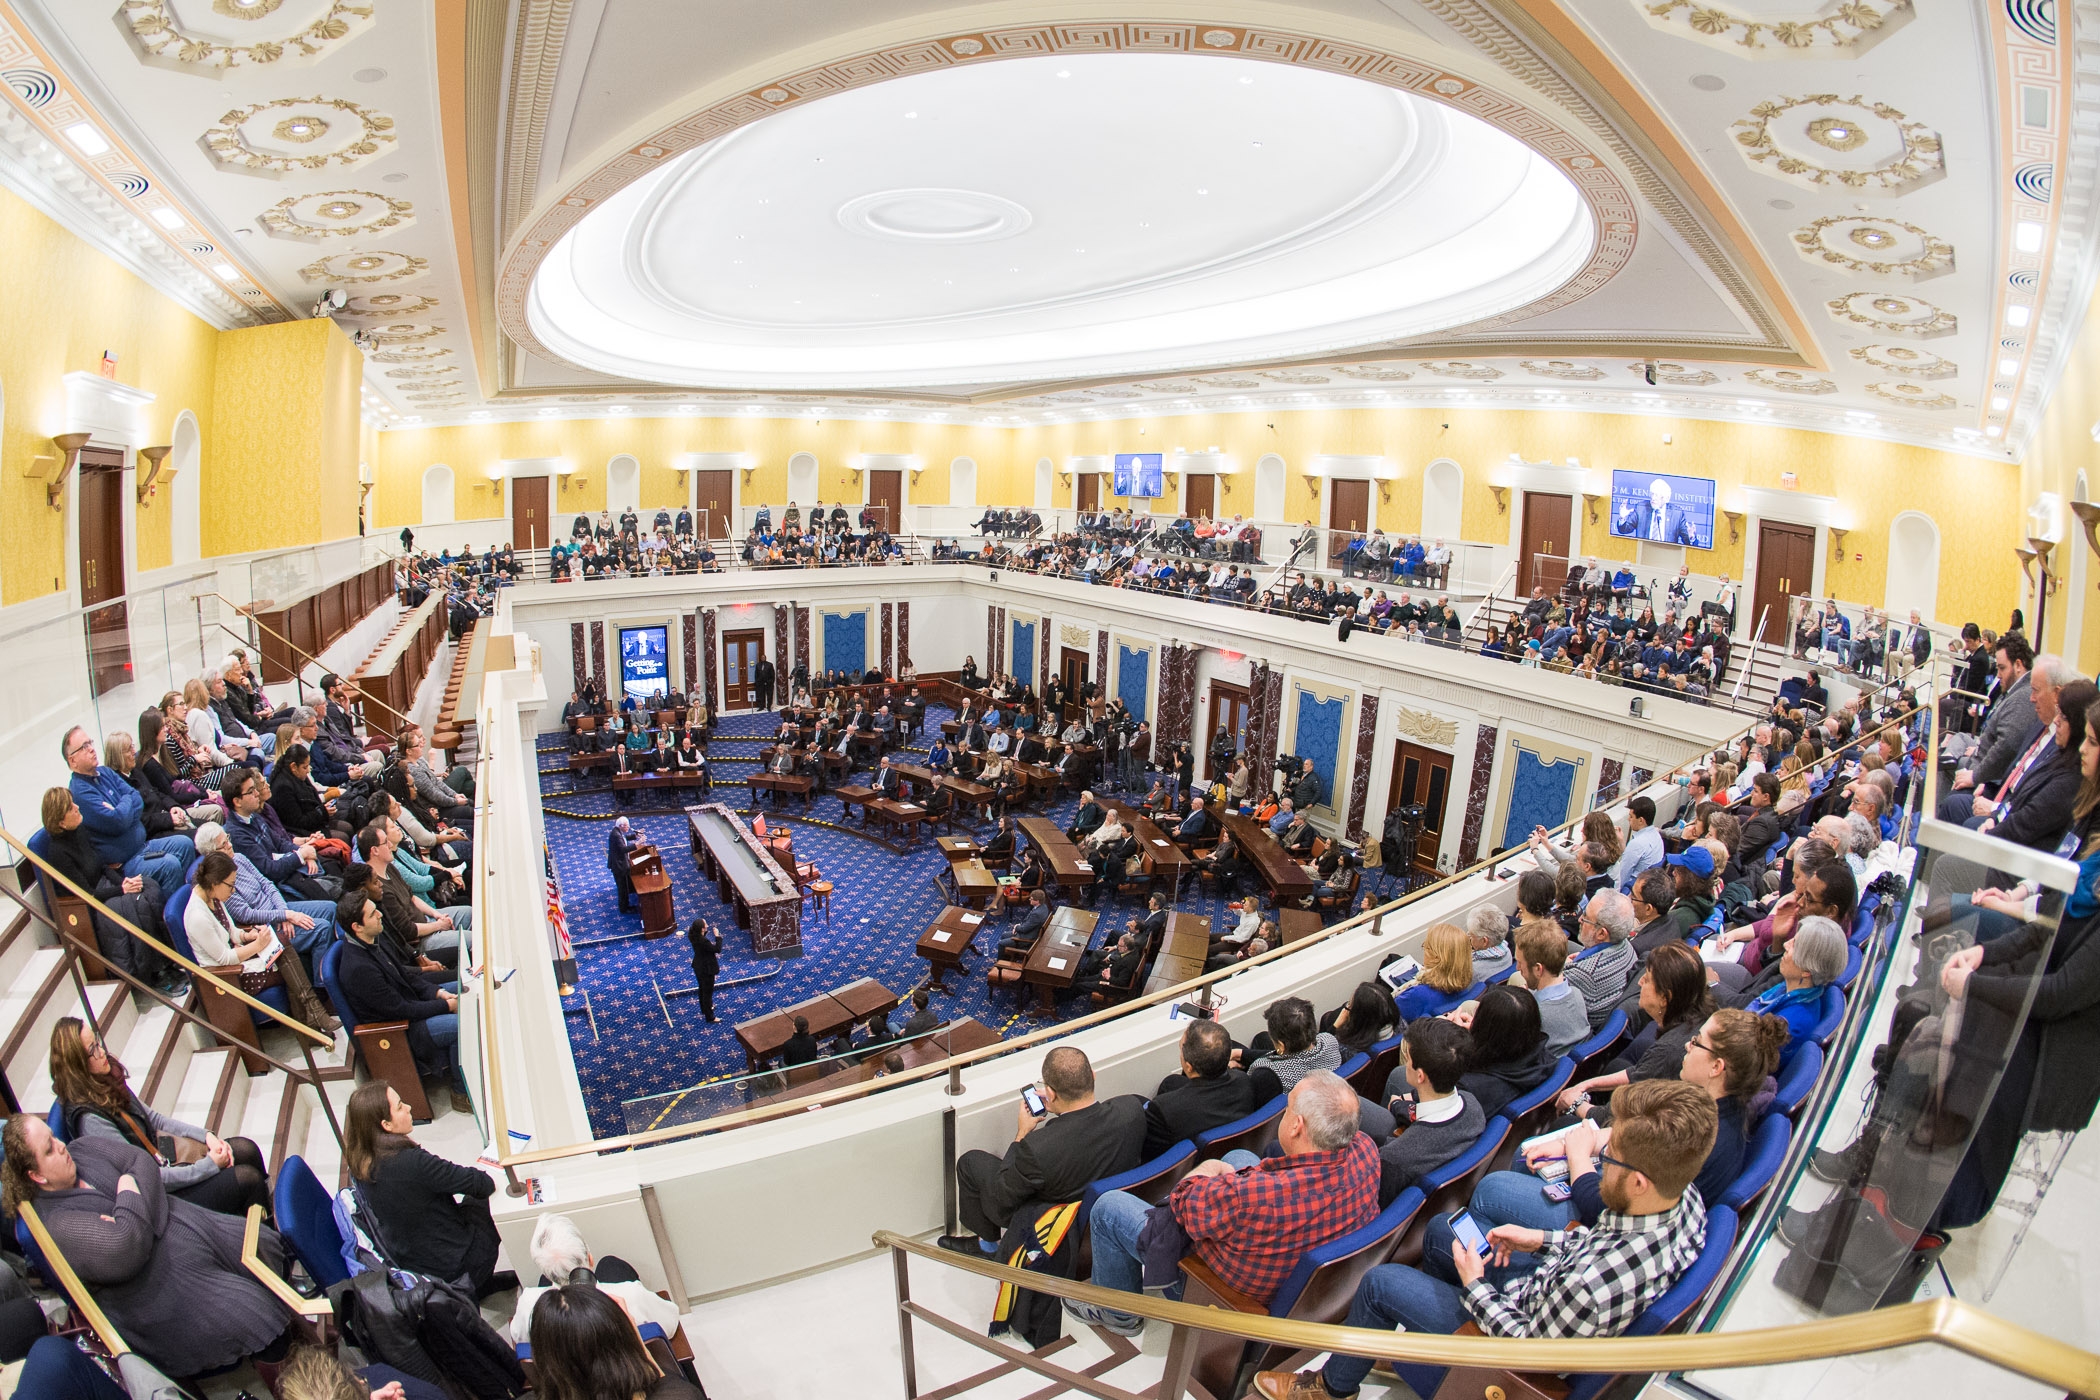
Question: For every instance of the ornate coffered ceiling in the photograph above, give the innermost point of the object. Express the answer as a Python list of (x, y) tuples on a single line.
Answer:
[(1769, 186)]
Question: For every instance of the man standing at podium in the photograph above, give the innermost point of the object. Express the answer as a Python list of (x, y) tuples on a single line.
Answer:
[(617, 847)]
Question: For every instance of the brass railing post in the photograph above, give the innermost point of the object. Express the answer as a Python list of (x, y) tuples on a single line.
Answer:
[(900, 1268)]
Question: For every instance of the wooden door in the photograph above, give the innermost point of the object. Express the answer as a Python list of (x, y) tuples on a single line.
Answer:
[(741, 653), (1421, 777), (1087, 492), (1786, 566), (100, 474), (1229, 709), (528, 513), (1072, 664), (1349, 506), (1547, 518), (712, 493), (886, 499), (1200, 490)]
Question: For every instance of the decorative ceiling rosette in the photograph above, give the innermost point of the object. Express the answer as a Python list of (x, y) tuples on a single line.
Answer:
[(411, 354), (1560, 369), (1227, 381), (1895, 312), (292, 135), (426, 372), (1870, 243), (1293, 376), (1790, 381), (1905, 359), (1832, 29), (215, 38), (1824, 141), (1096, 393), (336, 214), (1912, 395), (351, 269), (1172, 386), (1461, 369), (1383, 374), (374, 306), (403, 332), (1683, 376)]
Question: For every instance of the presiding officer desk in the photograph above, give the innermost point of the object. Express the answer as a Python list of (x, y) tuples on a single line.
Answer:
[(768, 902)]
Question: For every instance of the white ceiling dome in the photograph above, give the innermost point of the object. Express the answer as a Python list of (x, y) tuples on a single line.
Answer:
[(1060, 216)]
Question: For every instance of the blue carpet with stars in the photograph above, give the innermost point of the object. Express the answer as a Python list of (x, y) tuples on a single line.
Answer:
[(634, 1025)]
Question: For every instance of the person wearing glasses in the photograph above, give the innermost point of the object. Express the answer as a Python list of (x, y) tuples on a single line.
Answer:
[(114, 815)]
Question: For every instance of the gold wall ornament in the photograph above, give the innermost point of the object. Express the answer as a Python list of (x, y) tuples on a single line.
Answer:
[(1072, 634), (1461, 369), (1912, 395), (1422, 725), (1564, 369), (293, 135), (1895, 313), (1802, 140), (352, 269), (1667, 372), (1790, 381), (1869, 243), (403, 332), (157, 32), (1833, 29), (299, 216), (1905, 359)]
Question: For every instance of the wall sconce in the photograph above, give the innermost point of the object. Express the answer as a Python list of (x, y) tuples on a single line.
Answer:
[(1735, 526), (2041, 549), (155, 458), (1591, 501), (1312, 484), (1385, 492), (2026, 558), (1064, 478), (1501, 499), (2089, 516), (1837, 542), (53, 471)]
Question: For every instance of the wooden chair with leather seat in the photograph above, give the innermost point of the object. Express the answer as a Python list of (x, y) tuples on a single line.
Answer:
[(383, 1045), (1115, 993), (70, 912), (1342, 898)]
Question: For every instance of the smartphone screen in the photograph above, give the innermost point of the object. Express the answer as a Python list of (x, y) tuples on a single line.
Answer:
[(1036, 1107), (1468, 1229)]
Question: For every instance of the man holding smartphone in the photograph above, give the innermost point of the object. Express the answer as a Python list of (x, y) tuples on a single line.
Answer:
[(1587, 1283), (1063, 1139)]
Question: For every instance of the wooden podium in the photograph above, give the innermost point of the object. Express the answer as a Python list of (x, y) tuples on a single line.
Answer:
[(645, 868)]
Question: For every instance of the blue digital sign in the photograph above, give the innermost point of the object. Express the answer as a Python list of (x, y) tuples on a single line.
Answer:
[(645, 662), (1140, 474)]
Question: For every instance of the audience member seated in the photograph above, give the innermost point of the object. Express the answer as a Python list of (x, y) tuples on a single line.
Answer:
[(1604, 967), (1077, 1140), (136, 898), (381, 985), (1825, 893), (1805, 855), (1368, 1018), (585, 1347), (431, 1215), (196, 1165), (113, 813), (1436, 1118), (165, 1271), (1294, 1045), (1249, 1218), (218, 941), (166, 812), (1673, 994), (293, 866), (800, 1048), (1487, 934), (304, 926), (1208, 1092), (1447, 971), (1652, 902), (1588, 1283), (1542, 951), (559, 1253), (1506, 1057)]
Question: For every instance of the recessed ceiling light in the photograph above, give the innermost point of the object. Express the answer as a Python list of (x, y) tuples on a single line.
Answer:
[(2008, 365), (417, 419), (86, 139), (1780, 203), (169, 218), (226, 270), (1064, 72), (2018, 315), (1708, 82), (1257, 145), (1246, 80), (2027, 234), (2000, 404), (1994, 431), (911, 116), (1202, 191), (618, 408)]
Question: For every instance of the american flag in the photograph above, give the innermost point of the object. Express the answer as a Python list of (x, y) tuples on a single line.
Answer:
[(556, 919)]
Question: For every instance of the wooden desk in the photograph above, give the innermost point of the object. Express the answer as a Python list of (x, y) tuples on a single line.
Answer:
[(923, 781), (1172, 969), (947, 939), (1165, 862), (800, 784), (958, 1038), (1188, 936), (977, 795), (768, 902), (1053, 963), (957, 848), (865, 997), (1285, 880), (1039, 779), (1067, 866), (851, 795), (631, 783), (587, 762), (1294, 924), (975, 886)]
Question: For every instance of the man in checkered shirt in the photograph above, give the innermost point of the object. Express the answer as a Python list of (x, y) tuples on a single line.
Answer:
[(1588, 1283), (1251, 1219)]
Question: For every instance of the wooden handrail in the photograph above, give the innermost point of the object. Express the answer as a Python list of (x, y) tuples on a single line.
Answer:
[(306, 657), (252, 1260), (69, 1282)]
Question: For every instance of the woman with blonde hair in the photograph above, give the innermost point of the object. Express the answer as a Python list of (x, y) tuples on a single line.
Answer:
[(180, 754), (1446, 978), (207, 736)]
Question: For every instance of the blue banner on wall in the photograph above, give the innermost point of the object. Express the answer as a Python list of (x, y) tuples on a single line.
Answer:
[(1023, 670), (846, 642), (1134, 680), (1540, 790), (1319, 737)]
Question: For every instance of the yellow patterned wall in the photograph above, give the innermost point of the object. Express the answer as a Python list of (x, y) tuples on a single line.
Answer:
[(281, 456), (2062, 448), (63, 303)]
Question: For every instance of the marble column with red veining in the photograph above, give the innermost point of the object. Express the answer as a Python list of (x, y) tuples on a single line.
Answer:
[(713, 650), (801, 637), (1042, 658), (1257, 707), (1360, 774), (691, 631), (780, 645), (991, 639), (1477, 795), (1103, 688), (1608, 771), (888, 641), (579, 657), (598, 663), (1177, 696), (903, 634), (999, 645)]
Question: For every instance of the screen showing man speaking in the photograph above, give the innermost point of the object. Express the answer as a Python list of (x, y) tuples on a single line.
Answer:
[(1140, 474), (1663, 509), (645, 663)]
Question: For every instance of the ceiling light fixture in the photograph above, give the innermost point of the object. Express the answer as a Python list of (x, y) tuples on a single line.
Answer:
[(2000, 404), (168, 218), (549, 412), (2008, 365), (1994, 431), (86, 139), (480, 413), (2018, 315), (2027, 234), (226, 270)]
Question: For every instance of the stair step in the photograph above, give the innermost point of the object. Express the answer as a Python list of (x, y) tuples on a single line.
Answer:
[(19, 950), (259, 1113), (318, 1145), (156, 1028), (209, 1074), (37, 1000)]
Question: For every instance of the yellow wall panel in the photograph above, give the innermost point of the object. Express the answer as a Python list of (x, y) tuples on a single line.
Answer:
[(281, 455)]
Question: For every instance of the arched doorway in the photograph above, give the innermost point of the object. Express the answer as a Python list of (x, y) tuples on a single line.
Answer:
[(1268, 488), (623, 485)]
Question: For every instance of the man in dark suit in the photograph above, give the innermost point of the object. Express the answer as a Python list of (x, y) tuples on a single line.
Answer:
[(1918, 641), (1117, 967), (1305, 788), (1761, 828), (1154, 925), (1207, 1093), (1656, 519), (1028, 928), (1053, 1157), (801, 1047), (617, 846), (1087, 820), (885, 780), (1197, 824), (923, 1018), (762, 681), (707, 963)]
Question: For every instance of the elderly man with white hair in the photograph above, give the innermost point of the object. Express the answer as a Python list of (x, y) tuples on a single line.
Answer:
[(1607, 962), (1487, 931), (617, 849), (559, 1253)]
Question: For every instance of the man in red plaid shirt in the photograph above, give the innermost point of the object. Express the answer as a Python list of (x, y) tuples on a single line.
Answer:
[(1251, 1219)]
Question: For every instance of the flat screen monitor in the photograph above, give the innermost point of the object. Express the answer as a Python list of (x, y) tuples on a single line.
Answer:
[(1663, 509), (645, 663), (1140, 474)]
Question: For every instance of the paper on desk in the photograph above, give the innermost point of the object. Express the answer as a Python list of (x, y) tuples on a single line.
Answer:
[(943, 936), (973, 918), (1157, 842), (1082, 865), (1057, 964), (907, 806)]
